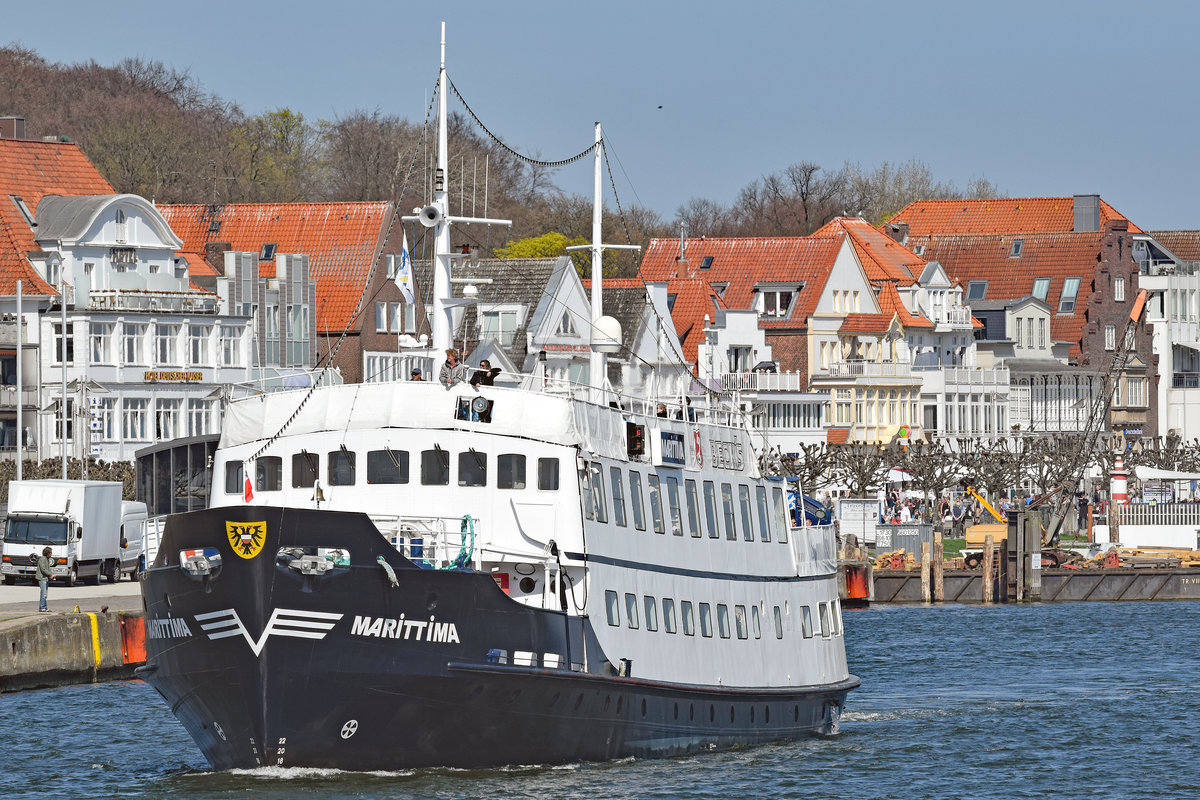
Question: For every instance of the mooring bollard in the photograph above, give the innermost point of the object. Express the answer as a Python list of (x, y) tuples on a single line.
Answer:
[(925, 571), (939, 563)]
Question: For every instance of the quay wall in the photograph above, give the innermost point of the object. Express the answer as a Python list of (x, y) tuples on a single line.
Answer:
[(46, 650), (1057, 585)]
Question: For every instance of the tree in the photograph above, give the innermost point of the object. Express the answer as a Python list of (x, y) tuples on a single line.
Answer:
[(859, 466), (811, 466), (276, 157), (548, 245), (931, 467)]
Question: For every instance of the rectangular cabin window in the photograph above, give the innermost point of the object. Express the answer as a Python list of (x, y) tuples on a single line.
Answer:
[(689, 620), (585, 493), (631, 611), (756, 622), (435, 467), (304, 470), (268, 473), (656, 510), (472, 468), (764, 519), (233, 477), (778, 624), (510, 471), (387, 466), (596, 469), (693, 508), (618, 494), (710, 509), (635, 499), (806, 625), (548, 474), (673, 505), (706, 620), (723, 620), (747, 515), (669, 614), (779, 507), (739, 622), (612, 608), (341, 467), (650, 606), (823, 609), (727, 507), (836, 613)]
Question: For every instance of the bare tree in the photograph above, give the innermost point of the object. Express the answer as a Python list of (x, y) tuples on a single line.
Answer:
[(859, 466)]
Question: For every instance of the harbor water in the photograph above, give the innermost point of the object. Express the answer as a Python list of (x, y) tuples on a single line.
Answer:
[(1069, 700)]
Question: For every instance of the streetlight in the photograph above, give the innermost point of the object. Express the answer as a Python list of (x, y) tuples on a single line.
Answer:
[(54, 266)]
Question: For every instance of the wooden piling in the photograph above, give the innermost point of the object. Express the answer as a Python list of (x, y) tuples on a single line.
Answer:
[(939, 563), (989, 578), (925, 558)]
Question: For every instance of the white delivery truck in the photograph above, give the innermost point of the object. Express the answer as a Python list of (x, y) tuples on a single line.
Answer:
[(87, 527)]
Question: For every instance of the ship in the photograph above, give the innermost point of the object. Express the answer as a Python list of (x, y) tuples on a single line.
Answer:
[(439, 574)]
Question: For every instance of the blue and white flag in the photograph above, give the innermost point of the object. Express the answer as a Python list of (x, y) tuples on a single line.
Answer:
[(404, 273)]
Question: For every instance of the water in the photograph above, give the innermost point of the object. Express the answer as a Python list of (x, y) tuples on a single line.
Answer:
[(1075, 700)]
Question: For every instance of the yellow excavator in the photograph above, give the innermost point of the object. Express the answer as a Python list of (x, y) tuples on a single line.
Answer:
[(973, 546)]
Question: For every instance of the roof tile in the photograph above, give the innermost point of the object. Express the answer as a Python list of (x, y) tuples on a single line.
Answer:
[(997, 215)]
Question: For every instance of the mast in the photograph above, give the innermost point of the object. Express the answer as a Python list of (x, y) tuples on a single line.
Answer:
[(441, 255), (596, 359)]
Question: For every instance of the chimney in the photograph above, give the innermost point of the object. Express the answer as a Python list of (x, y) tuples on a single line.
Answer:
[(214, 254), (1087, 213), (898, 231), (12, 127)]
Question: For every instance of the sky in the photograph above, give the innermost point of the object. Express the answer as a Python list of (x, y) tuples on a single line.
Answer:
[(697, 99)]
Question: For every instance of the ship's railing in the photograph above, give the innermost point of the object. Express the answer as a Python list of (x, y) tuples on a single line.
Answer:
[(152, 533), (1157, 513), (434, 541), (815, 547)]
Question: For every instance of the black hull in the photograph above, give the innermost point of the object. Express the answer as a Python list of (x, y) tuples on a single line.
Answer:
[(288, 684)]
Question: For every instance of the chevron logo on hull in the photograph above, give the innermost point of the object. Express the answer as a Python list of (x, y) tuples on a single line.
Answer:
[(283, 622)]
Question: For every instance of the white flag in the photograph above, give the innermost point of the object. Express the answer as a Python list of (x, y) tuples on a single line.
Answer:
[(404, 272)]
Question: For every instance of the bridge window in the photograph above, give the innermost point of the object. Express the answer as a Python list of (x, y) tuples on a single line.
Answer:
[(755, 622), (710, 509), (435, 467), (510, 471), (268, 473), (747, 516), (739, 621), (673, 505), (689, 620), (635, 498), (668, 614), (778, 624), (780, 507), (723, 620), (693, 508), (341, 468), (825, 626), (304, 470), (387, 466), (596, 471), (618, 495), (706, 620), (472, 468), (727, 507), (836, 613), (548, 474), (764, 521), (805, 621), (656, 510), (234, 483)]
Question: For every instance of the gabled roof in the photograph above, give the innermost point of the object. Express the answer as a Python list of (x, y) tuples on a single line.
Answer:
[(890, 303), (1057, 256), (694, 298), (30, 171), (744, 263), (882, 257), (1183, 244), (1025, 215), (340, 239), (868, 324)]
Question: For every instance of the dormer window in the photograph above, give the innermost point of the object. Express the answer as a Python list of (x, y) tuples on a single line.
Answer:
[(720, 288), (671, 298), (1015, 250), (1041, 288), (706, 262), (775, 302), (566, 327), (1066, 304), (976, 290), (267, 252), (918, 249)]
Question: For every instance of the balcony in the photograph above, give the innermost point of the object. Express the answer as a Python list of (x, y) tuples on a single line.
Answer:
[(956, 316), (8, 396), (764, 381), (969, 376), (152, 301), (1185, 380), (866, 369)]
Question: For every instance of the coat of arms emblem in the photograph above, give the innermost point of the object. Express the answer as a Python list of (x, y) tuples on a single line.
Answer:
[(246, 538)]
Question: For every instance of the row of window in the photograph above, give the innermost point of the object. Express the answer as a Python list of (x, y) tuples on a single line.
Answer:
[(748, 513), (389, 466), (977, 290), (132, 344), (137, 419), (829, 616)]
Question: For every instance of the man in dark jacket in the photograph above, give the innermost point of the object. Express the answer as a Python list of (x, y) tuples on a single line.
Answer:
[(485, 375), (45, 571)]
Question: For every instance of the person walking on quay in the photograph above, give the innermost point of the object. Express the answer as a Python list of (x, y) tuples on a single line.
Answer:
[(45, 571), (958, 516)]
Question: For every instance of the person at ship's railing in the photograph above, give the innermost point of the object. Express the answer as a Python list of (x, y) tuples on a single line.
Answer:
[(416, 374), (662, 410), (453, 371)]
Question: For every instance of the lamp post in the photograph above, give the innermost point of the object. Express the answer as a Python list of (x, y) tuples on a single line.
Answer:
[(54, 262)]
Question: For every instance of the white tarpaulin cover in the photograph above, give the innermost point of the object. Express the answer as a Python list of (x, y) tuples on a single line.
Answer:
[(1144, 473)]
